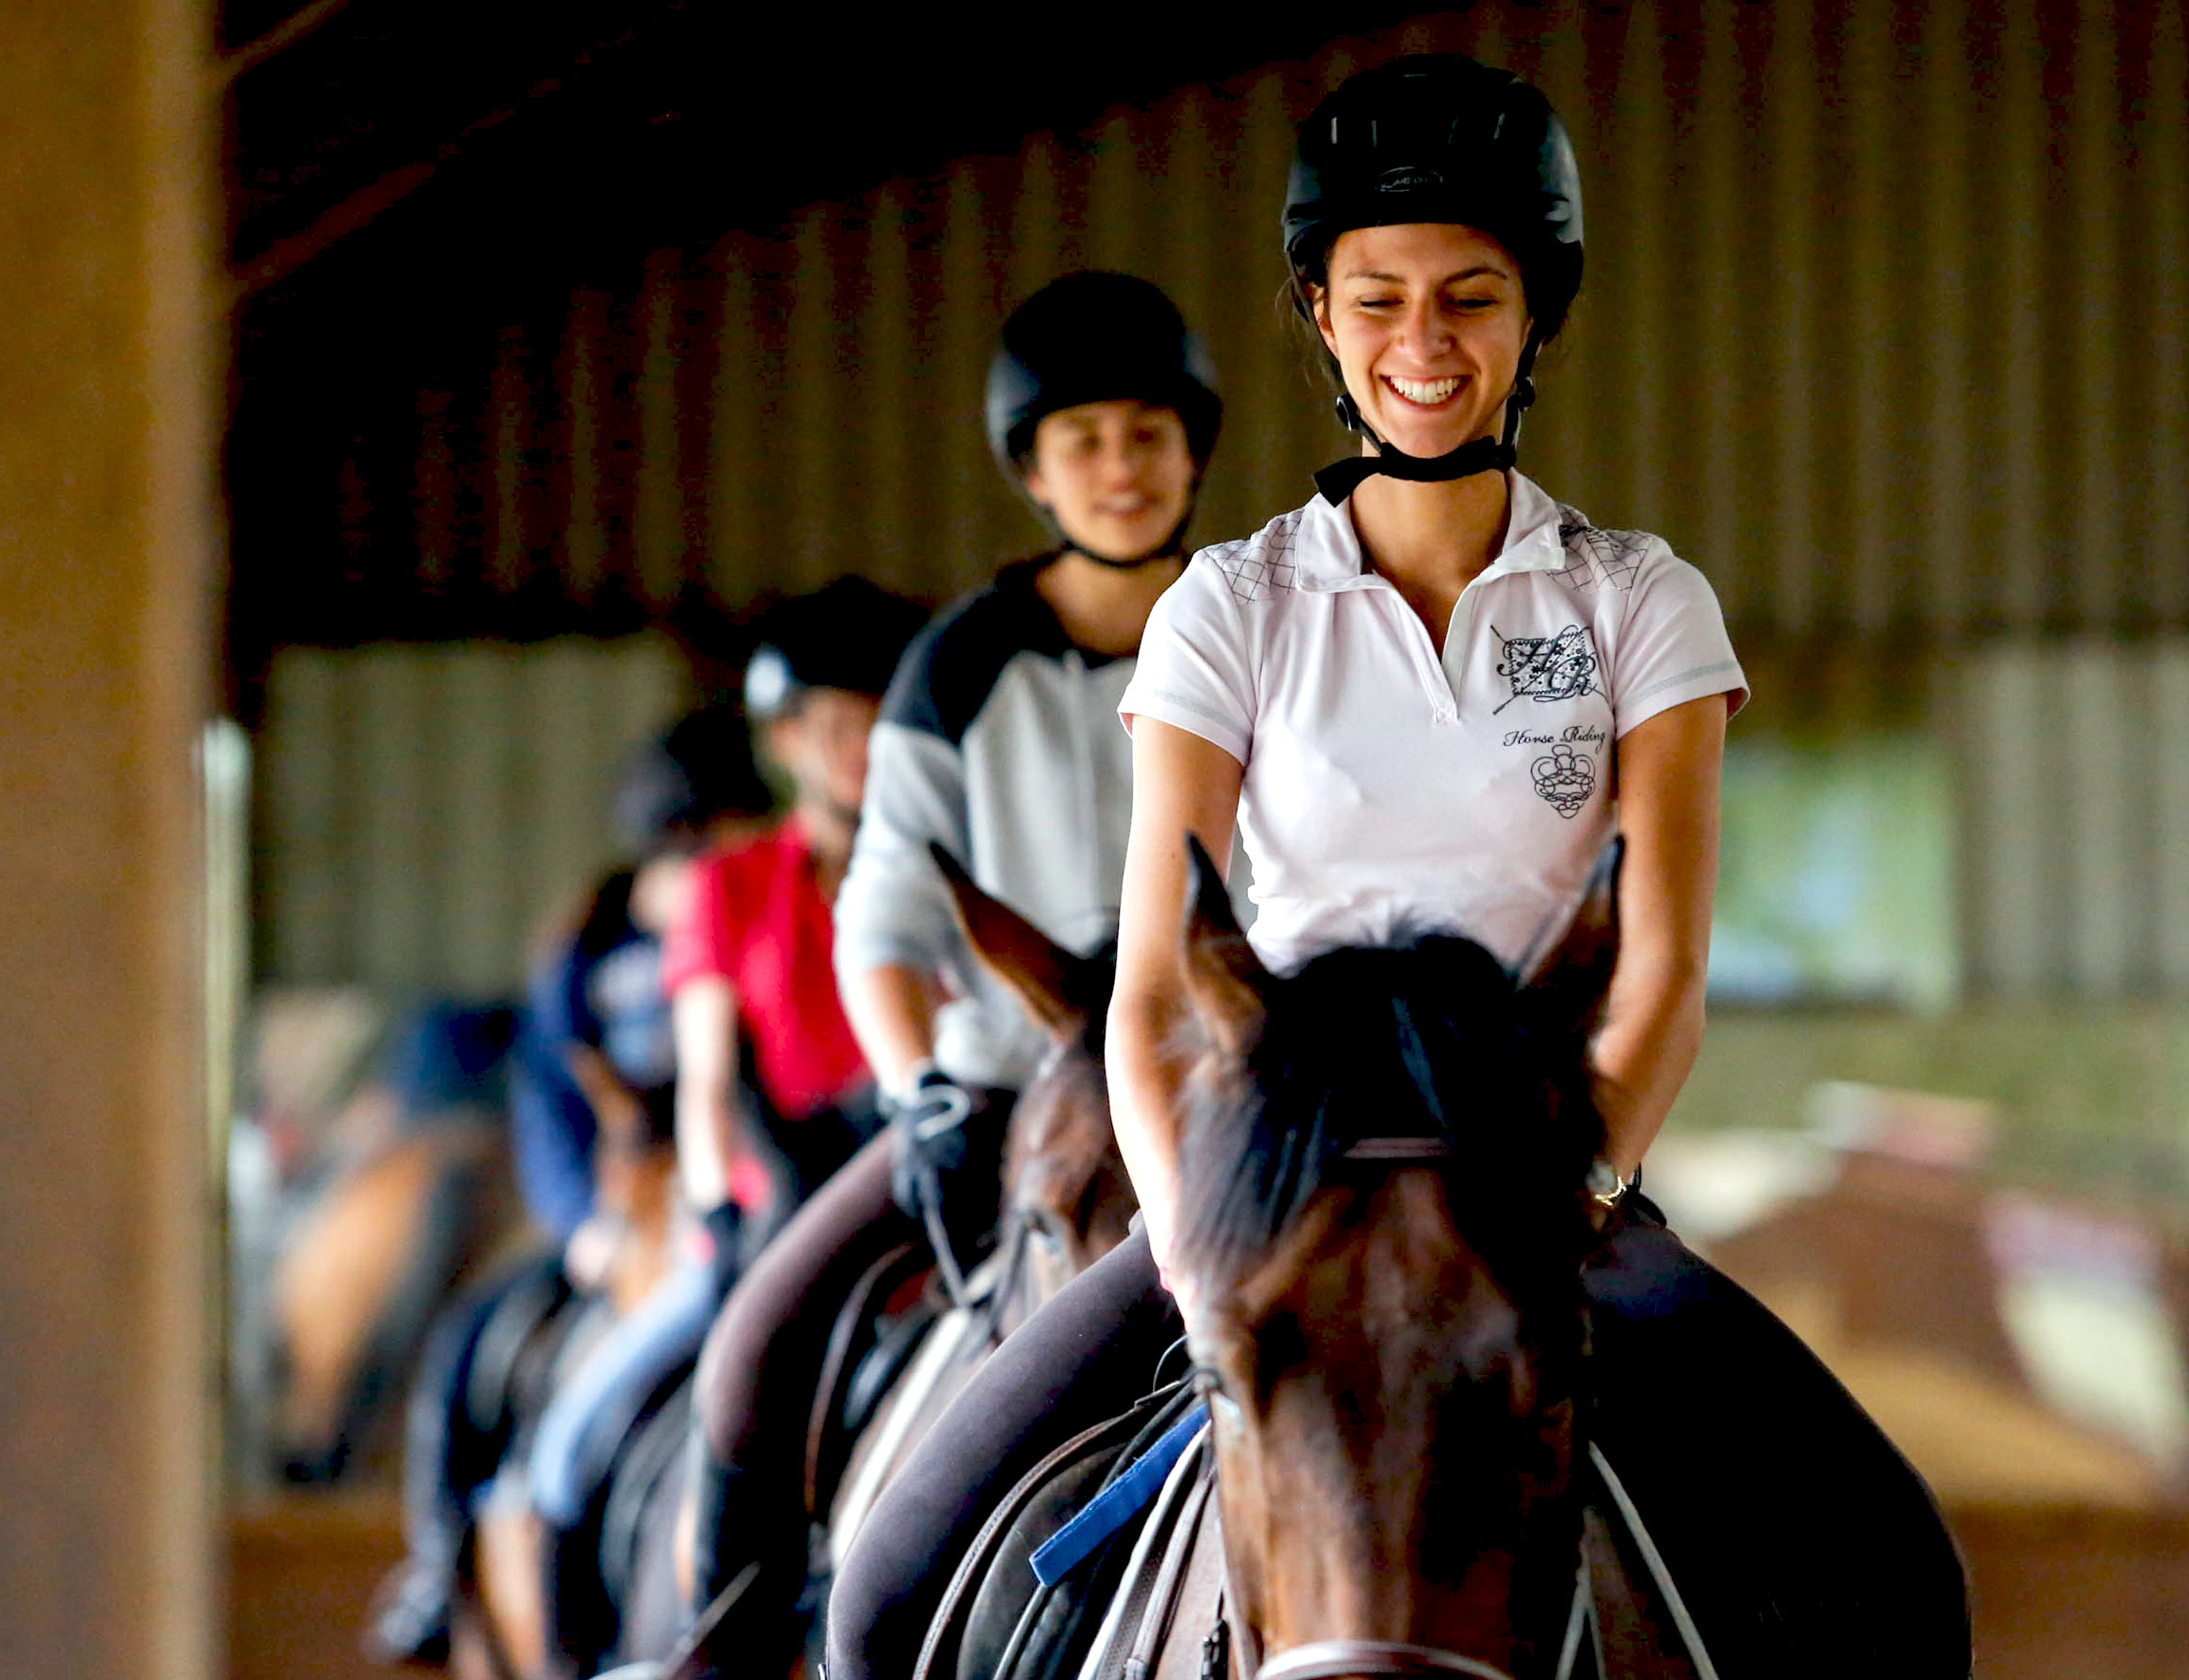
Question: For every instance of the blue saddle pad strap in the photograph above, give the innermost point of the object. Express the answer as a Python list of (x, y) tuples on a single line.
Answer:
[(1118, 1503)]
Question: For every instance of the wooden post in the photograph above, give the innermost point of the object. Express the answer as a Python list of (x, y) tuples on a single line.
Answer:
[(109, 378)]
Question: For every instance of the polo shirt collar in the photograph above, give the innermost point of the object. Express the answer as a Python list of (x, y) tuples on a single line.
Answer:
[(1328, 549)]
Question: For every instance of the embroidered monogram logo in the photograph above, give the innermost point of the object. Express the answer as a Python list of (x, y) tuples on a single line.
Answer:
[(1561, 667), (1564, 777)]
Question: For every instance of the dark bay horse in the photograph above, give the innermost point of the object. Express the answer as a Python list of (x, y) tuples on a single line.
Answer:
[(1464, 1419)]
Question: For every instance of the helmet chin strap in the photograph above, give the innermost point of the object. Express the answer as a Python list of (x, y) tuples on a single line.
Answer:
[(1171, 548), (1478, 454)]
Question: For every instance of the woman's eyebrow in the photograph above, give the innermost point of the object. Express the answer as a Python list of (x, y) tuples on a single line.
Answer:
[(1392, 280)]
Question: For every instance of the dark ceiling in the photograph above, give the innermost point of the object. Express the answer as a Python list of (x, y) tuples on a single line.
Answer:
[(412, 161), (411, 177)]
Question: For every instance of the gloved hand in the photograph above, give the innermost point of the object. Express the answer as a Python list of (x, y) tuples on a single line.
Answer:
[(724, 1225), (948, 1165), (928, 1115)]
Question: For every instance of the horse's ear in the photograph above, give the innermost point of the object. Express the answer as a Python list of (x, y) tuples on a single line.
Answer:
[(1567, 990), (1039, 972), (1223, 978)]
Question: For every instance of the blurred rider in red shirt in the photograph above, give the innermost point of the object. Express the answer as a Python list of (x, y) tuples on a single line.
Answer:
[(773, 1091)]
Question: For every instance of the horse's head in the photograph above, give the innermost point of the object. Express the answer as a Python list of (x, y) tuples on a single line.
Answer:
[(1067, 1199), (1383, 1222)]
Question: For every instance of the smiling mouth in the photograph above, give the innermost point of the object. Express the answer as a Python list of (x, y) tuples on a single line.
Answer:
[(1423, 393)]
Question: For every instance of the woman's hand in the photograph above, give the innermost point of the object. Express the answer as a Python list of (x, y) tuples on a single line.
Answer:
[(591, 1251), (1668, 773), (1182, 785)]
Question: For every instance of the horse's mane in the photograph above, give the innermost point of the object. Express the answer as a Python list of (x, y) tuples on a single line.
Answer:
[(1425, 1038)]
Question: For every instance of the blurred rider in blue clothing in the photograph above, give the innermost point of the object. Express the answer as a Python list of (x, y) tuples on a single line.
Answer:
[(594, 1051)]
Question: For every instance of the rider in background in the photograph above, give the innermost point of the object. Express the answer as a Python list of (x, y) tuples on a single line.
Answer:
[(593, 1054), (745, 965), (997, 741), (1418, 694), (750, 966)]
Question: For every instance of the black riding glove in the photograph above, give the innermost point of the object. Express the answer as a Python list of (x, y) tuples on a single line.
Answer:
[(928, 1117), (947, 1162), (725, 1224)]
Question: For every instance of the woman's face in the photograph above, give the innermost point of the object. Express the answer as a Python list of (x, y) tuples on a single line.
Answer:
[(1426, 321), (1116, 475), (823, 744)]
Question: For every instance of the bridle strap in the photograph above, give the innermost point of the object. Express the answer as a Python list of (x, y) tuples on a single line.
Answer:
[(1340, 1659), (1400, 1150)]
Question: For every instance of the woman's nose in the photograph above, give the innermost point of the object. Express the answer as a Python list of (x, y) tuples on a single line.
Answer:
[(1423, 330)]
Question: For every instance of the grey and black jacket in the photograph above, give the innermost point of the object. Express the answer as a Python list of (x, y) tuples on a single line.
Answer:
[(999, 739)]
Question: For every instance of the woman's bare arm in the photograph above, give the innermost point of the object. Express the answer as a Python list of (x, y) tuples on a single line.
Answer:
[(1182, 785), (1668, 775), (704, 1014), (891, 1010)]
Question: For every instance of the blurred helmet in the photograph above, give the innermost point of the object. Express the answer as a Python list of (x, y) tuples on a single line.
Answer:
[(698, 770), (1092, 338), (1440, 138), (848, 636), (445, 1054)]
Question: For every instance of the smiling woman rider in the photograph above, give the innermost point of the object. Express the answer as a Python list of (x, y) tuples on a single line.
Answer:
[(1427, 699)]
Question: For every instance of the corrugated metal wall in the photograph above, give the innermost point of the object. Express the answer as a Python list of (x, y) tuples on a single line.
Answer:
[(423, 810), (2074, 796), (1885, 325)]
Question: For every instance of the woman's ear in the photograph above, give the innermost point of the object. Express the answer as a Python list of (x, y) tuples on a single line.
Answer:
[(1030, 478)]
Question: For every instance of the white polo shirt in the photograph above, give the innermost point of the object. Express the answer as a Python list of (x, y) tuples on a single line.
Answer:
[(1388, 792)]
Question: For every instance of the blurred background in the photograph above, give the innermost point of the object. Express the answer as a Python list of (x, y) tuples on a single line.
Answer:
[(558, 336)]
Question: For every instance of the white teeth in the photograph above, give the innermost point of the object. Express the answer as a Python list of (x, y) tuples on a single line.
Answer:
[(1423, 391)]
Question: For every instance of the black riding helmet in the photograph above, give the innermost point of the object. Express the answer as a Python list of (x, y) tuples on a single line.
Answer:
[(848, 636), (1439, 138), (1095, 337), (679, 783)]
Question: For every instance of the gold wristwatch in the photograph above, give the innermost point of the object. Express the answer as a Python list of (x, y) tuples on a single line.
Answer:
[(1606, 1186)]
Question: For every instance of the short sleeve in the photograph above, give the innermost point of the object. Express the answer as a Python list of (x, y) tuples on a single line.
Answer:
[(1673, 647), (697, 946), (1194, 672)]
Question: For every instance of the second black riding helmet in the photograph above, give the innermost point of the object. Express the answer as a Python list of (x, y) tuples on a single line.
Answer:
[(1441, 138), (1096, 337)]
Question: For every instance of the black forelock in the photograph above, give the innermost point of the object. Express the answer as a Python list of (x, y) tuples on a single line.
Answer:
[(1426, 1037)]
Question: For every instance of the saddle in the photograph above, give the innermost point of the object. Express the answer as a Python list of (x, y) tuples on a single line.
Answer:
[(877, 1330)]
